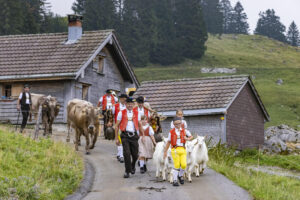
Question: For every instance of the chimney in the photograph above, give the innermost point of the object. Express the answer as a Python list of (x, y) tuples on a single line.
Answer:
[(74, 28)]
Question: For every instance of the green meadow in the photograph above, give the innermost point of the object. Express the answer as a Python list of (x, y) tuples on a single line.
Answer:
[(264, 59)]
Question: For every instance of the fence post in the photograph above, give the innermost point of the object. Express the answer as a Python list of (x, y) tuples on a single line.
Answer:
[(37, 125)]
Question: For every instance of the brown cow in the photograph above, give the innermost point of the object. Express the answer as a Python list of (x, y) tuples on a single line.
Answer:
[(83, 118), (50, 110)]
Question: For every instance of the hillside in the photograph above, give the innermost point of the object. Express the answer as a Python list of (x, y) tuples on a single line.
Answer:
[(264, 59)]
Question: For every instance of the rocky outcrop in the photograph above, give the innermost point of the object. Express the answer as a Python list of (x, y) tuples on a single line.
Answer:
[(280, 139), (206, 70)]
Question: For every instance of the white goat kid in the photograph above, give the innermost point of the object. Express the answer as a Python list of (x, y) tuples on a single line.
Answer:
[(197, 157)]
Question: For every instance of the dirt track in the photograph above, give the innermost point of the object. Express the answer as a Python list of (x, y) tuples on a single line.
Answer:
[(110, 184)]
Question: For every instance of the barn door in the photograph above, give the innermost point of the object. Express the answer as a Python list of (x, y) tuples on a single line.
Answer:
[(85, 92)]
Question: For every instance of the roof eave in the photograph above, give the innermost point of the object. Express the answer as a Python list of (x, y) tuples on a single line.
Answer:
[(197, 112)]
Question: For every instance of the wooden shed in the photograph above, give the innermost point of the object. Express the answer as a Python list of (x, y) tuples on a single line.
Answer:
[(65, 65), (227, 108)]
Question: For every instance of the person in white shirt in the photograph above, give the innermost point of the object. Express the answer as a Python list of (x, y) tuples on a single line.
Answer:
[(107, 101), (146, 145), (141, 110), (177, 138), (127, 122), (24, 104), (116, 109), (179, 113)]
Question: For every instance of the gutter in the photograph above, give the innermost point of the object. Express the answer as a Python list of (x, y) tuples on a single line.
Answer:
[(15, 77)]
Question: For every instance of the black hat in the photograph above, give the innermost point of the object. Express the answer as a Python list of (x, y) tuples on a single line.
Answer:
[(108, 91), (129, 100), (177, 119), (123, 96), (26, 86), (140, 99)]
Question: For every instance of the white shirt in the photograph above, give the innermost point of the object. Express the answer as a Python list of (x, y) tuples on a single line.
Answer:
[(122, 107), (182, 121), (130, 125), (178, 143), (27, 97), (109, 102), (151, 132), (141, 112)]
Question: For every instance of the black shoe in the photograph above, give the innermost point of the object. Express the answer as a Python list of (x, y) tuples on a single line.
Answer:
[(175, 183), (145, 168), (181, 180), (133, 171), (121, 159), (118, 158), (142, 170), (126, 175)]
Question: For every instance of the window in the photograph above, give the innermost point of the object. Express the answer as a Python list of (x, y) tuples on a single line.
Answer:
[(99, 64), (7, 91)]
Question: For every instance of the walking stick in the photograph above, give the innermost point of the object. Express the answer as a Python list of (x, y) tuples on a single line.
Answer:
[(17, 121)]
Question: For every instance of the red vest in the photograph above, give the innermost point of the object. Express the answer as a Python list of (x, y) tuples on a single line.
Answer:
[(146, 131), (104, 101), (174, 137), (124, 120), (146, 111), (117, 110)]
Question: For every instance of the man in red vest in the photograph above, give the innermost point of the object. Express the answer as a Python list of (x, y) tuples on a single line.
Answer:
[(177, 138), (116, 109), (127, 122), (141, 110), (107, 102)]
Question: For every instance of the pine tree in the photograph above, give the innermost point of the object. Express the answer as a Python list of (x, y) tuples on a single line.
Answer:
[(269, 25), (293, 37), (11, 17), (227, 10), (190, 29), (129, 31), (164, 48), (213, 16), (239, 24), (79, 7), (99, 14)]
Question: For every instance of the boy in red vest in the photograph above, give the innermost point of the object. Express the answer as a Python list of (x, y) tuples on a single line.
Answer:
[(179, 113), (116, 109), (177, 138), (141, 110), (127, 122)]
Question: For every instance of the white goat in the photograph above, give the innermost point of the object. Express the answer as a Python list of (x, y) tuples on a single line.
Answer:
[(197, 157)]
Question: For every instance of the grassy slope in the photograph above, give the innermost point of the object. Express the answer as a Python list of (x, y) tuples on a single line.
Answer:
[(266, 59), (37, 169), (260, 185)]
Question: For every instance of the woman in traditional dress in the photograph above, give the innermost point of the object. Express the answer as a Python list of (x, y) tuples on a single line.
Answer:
[(146, 144)]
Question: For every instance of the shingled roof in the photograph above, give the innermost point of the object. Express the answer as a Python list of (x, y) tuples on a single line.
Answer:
[(195, 96), (47, 54)]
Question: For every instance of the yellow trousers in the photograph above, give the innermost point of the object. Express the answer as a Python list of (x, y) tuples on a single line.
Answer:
[(119, 136), (179, 157)]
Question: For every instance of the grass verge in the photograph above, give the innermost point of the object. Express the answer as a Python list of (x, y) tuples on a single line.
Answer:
[(260, 185), (37, 169)]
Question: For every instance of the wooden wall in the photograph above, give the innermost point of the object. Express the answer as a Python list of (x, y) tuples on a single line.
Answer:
[(245, 121), (210, 125), (8, 109)]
